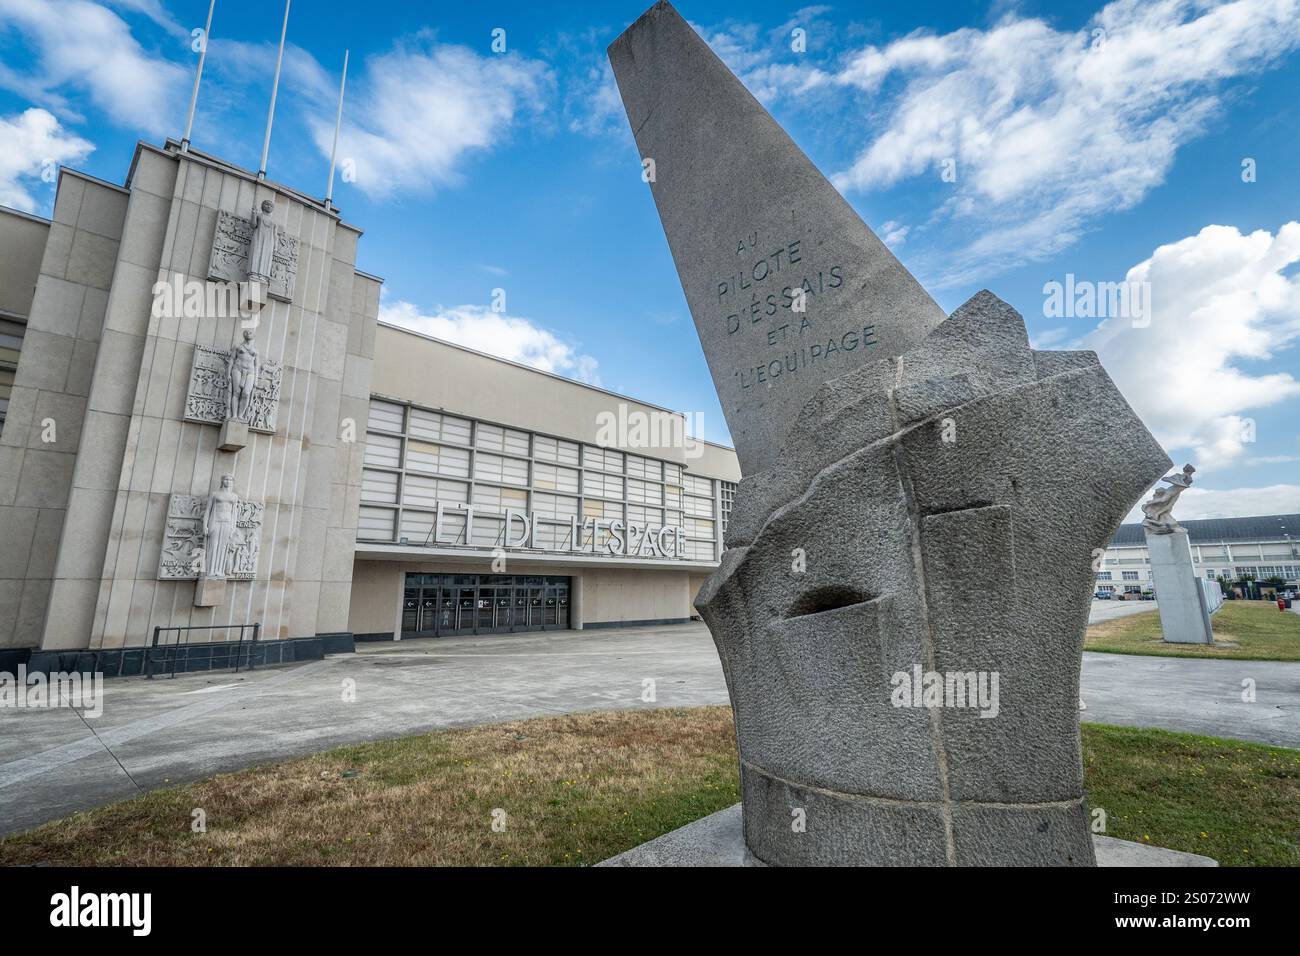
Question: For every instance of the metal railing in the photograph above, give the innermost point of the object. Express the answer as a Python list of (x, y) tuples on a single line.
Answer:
[(171, 657)]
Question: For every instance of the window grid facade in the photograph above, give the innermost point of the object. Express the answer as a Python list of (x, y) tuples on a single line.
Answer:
[(415, 458)]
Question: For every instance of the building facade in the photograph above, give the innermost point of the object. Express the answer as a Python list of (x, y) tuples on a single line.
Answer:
[(1261, 548), (206, 430)]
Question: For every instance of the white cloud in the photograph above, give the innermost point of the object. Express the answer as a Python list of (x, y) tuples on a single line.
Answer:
[(83, 47), (418, 110), (893, 234), (1218, 299), (34, 146), (1050, 128), (509, 337)]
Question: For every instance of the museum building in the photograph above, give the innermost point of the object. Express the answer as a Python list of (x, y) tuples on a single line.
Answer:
[(1261, 548), (209, 444)]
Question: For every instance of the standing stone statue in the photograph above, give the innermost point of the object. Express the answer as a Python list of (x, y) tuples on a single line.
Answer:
[(1185, 600), (261, 247), (219, 528), (245, 367), (1158, 511), (887, 700)]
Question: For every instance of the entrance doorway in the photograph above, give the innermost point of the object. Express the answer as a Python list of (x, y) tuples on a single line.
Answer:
[(443, 605)]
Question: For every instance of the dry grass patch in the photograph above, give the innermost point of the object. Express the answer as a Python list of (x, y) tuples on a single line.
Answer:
[(1243, 630), (581, 788), (574, 789)]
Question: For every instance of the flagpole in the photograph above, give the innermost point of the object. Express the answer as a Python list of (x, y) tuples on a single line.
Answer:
[(198, 75), (338, 122), (275, 88)]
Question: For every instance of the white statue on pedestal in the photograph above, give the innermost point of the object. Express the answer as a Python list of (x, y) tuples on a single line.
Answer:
[(261, 247), (1158, 511), (244, 369), (219, 528)]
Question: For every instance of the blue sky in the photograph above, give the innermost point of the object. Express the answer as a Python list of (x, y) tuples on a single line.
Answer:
[(1103, 142)]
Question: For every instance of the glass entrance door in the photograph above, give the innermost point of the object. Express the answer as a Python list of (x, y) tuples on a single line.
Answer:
[(447, 605), (420, 612)]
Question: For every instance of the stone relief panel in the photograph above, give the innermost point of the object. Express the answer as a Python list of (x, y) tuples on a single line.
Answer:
[(236, 535), (230, 250), (208, 400)]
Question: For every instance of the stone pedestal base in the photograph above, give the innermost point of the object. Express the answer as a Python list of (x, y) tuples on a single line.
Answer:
[(252, 295), (719, 840), (209, 592), (234, 436), (1184, 617)]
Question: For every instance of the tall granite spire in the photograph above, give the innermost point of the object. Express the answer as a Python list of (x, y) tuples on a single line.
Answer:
[(787, 285), (895, 462)]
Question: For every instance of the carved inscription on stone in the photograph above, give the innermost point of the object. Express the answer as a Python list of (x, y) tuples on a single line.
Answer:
[(209, 392), (229, 262), (774, 296), (183, 556)]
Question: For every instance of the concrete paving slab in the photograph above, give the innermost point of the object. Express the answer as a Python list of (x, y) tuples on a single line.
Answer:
[(718, 840), (169, 731)]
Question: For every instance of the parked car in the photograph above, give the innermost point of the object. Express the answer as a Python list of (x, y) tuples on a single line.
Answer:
[(1103, 595)]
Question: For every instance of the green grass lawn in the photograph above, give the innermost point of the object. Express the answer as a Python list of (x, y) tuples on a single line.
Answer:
[(1236, 802), (1258, 629), (580, 788)]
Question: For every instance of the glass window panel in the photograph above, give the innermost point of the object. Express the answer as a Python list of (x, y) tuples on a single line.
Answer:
[(605, 486), (699, 528), (439, 458), (488, 531), (379, 486), (544, 448), (491, 437), (499, 499), (673, 473), (569, 454), (510, 471), (435, 426), (383, 450), (552, 536), (696, 485), (376, 524), (645, 517), (516, 443), (554, 506), (605, 459), (554, 478), (385, 416), (700, 507), (699, 550), (421, 492)]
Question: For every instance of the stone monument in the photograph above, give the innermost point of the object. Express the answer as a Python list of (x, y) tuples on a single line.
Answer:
[(1185, 607), (891, 707)]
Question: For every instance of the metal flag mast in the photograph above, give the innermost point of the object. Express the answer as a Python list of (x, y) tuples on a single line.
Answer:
[(275, 88), (198, 76), (338, 122)]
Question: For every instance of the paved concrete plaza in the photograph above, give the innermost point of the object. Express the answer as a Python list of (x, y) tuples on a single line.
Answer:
[(1109, 610), (172, 730)]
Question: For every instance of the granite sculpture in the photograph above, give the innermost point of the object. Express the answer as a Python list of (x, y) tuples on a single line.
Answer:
[(1157, 513), (890, 707), (1185, 600)]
